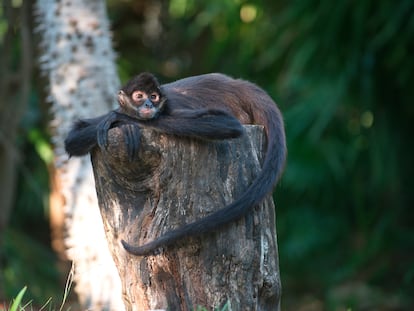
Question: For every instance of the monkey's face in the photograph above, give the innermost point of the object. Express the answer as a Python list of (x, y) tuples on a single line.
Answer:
[(141, 104)]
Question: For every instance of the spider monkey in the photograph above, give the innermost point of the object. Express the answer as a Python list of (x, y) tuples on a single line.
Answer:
[(142, 102), (210, 106)]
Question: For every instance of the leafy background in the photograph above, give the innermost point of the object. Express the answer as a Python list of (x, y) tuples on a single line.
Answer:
[(341, 71)]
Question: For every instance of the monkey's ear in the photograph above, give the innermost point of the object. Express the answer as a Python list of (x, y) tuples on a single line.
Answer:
[(122, 98)]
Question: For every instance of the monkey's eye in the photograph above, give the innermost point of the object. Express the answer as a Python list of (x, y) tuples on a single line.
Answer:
[(138, 95), (155, 97)]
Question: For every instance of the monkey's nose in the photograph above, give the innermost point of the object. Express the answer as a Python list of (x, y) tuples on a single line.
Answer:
[(147, 103)]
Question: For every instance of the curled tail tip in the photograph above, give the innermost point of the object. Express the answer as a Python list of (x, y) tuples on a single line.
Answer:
[(138, 250), (129, 248)]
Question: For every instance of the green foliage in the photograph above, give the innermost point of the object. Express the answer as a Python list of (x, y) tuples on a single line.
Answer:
[(28, 262), (17, 301), (342, 73)]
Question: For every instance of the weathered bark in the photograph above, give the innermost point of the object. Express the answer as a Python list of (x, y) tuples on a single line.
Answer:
[(78, 60), (176, 181)]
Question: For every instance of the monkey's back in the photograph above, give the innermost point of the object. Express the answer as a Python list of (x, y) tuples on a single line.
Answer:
[(245, 100)]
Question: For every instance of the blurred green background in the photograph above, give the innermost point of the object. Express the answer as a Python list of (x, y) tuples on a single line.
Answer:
[(342, 73)]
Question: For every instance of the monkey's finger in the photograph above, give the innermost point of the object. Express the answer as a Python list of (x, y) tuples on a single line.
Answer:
[(102, 130), (132, 136), (136, 138)]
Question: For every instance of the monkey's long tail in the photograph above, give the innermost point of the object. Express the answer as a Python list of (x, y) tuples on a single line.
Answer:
[(272, 169)]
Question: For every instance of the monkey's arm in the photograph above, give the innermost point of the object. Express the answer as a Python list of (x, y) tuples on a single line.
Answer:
[(82, 137), (204, 124), (200, 124)]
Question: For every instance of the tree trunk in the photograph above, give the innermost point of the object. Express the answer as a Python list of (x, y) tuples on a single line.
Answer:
[(176, 181), (78, 61)]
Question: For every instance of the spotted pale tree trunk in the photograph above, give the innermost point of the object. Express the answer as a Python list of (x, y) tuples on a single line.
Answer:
[(77, 59)]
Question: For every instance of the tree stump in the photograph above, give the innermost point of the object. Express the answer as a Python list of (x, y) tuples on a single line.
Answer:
[(176, 181)]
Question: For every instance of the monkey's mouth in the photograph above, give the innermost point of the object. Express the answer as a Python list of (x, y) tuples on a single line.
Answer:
[(146, 113)]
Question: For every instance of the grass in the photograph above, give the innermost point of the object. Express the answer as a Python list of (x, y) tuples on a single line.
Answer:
[(17, 303)]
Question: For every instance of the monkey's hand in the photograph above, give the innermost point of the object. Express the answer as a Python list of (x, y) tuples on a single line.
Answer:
[(132, 137), (130, 130), (103, 127)]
